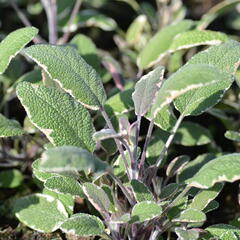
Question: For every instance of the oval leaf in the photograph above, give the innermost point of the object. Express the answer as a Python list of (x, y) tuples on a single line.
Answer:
[(191, 216), (184, 234), (10, 178), (232, 135)]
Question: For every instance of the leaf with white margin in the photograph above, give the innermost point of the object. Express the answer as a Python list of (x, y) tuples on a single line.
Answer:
[(217, 170), (229, 236), (191, 77), (204, 197), (13, 44), (158, 46), (40, 212), (65, 185), (197, 38), (145, 211), (105, 134), (9, 128), (141, 191), (65, 66), (97, 197), (176, 165), (83, 225), (146, 89), (211, 206), (232, 135), (184, 234), (191, 216), (63, 120), (70, 159)]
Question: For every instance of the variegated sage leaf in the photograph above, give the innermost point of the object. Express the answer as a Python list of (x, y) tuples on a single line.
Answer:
[(57, 115), (191, 216), (184, 234), (232, 135), (65, 66), (13, 44)]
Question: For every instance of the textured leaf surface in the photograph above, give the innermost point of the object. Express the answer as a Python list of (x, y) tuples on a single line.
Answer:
[(191, 216), (229, 236), (10, 178), (145, 211), (211, 206), (97, 197), (105, 134), (10, 128), (232, 135), (141, 191), (83, 225), (70, 159), (146, 89), (196, 38), (176, 165), (217, 170), (65, 185), (40, 212), (57, 115), (168, 191), (65, 66), (184, 234), (13, 44), (157, 47)]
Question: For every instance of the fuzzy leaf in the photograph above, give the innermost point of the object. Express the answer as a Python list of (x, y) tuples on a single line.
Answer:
[(176, 165), (146, 89), (13, 44), (9, 128), (65, 185), (83, 225), (70, 159), (141, 191), (217, 170), (196, 38), (145, 211), (168, 191), (191, 216), (232, 135), (65, 66), (105, 134), (204, 197), (10, 178), (211, 206), (40, 212), (97, 197), (184, 234), (229, 236), (57, 115), (158, 46)]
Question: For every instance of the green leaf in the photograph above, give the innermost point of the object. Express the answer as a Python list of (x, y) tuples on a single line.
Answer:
[(194, 166), (83, 225), (10, 178), (146, 89), (217, 170), (176, 165), (57, 115), (13, 44), (65, 185), (192, 134), (196, 38), (229, 236), (232, 135), (211, 206), (158, 46), (192, 77), (145, 211), (169, 191), (97, 197), (9, 128), (204, 197), (70, 159), (184, 234), (180, 206), (105, 134), (65, 66), (191, 216), (40, 212), (141, 191)]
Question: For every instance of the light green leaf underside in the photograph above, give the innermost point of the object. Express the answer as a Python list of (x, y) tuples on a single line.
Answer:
[(57, 115), (105, 134), (157, 47), (97, 197), (190, 78), (146, 89), (145, 211), (40, 212), (13, 44), (83, 225), (65, 66), (232, 135), (229, 236), (196, 38), (184, 234), (65, 185), (70, 159), (141, 191), (191, 216), (217, 170), (10, 178), (10, 128)]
